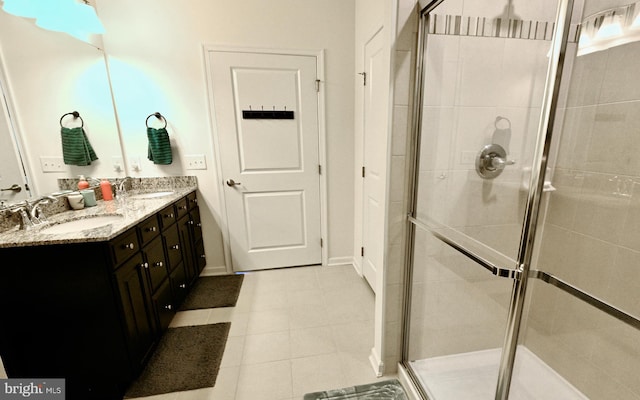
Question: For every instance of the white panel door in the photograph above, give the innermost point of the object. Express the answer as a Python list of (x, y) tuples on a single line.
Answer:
[(270, 166), (375, 150)]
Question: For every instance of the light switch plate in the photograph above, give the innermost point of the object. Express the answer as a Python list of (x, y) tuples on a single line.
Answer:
[(195, 161), (52, 164), (118, 164)]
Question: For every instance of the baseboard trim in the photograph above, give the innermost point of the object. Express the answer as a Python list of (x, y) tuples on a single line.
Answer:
[(407, 383), (340, 261), (217, 270), (376, 362)]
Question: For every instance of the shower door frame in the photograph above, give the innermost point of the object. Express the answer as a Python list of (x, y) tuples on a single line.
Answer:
[(519, 274)]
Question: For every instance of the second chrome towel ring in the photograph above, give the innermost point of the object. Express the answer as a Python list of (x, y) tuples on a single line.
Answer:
[(157, 115), (76, 115)]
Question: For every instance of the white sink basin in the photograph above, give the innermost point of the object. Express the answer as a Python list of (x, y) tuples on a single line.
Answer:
[(153, 195), (77, 225)]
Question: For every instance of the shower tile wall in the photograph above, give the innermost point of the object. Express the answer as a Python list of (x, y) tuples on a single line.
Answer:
[(591, 235), (471, 81)]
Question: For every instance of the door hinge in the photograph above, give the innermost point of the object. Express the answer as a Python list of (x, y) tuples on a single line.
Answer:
[(361, 251), (364, 78), (319, 169), (363, 172), (318, 85), (321, 242)]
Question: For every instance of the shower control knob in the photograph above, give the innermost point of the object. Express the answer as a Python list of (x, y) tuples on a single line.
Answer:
[(491, 161), (500, 163)]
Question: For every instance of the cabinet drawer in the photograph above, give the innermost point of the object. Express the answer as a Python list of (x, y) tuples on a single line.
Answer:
[(156, 262), (124, 246), (167, 216), (149, 229), (181, 207), (172, 244), (192, 200)]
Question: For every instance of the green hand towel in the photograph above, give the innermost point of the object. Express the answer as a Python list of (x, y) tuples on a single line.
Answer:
[(76, 149), (159, 146)]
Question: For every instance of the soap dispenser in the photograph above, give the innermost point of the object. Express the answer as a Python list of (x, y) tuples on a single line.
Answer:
[(107, 193), (82, 183)]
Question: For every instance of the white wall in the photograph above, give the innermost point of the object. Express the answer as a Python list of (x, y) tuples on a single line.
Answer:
[(157, 64)]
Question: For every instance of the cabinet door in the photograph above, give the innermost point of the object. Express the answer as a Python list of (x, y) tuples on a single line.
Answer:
[(164, 306), (179, 285), (135, 300), (154, 257), (172, 245), (188, 255)]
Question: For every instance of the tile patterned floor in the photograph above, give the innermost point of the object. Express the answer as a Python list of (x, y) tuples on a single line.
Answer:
[(293, 331)]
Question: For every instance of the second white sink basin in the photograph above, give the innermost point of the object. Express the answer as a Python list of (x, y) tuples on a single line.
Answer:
[(153, 195), (77, 225)]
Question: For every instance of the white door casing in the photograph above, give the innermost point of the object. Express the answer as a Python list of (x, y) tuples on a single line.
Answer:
[(375, 155), (12, 171), (269, 167)]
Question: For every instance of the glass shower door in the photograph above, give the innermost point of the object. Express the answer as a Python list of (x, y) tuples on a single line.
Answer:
[(484, 68)]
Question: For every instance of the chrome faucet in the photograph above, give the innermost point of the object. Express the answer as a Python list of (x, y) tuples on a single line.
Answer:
[(35, 212), (120, 185), (25, 221)]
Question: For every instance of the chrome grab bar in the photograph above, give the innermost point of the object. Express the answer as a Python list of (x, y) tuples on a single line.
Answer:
[(586, 297), (536, 274), (488, 265)]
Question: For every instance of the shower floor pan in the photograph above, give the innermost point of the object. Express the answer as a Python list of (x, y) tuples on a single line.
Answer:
[(473, 376)]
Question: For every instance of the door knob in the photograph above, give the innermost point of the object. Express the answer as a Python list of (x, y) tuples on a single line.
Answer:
[(232, 183), (14, 188)]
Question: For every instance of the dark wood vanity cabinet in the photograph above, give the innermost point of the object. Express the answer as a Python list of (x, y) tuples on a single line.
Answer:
[(93, 312)]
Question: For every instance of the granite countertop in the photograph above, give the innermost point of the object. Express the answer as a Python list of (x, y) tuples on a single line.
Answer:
[(132, 211)]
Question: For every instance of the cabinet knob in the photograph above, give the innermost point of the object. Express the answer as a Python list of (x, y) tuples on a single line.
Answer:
[(170, 215), (183, 285), (145, 265), (129, 246), (168, 307), (175, 247), (152, 229), (182, 207), (203, 256), (199, 225), (190, 222), (158, 264)]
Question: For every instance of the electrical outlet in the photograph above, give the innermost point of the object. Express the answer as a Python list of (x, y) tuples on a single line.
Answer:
[(196, 161), (52, 164)]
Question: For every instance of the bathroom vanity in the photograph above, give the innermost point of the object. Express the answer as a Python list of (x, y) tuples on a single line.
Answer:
[(90, 306)]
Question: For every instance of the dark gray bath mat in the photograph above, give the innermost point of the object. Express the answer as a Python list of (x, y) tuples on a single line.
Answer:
[(186, 358), (383, 390), (214, 291)]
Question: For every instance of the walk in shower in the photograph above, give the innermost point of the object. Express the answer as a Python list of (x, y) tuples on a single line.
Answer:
[(523, 272)]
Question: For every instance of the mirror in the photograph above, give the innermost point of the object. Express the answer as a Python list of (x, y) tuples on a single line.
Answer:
[(49, 74)]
